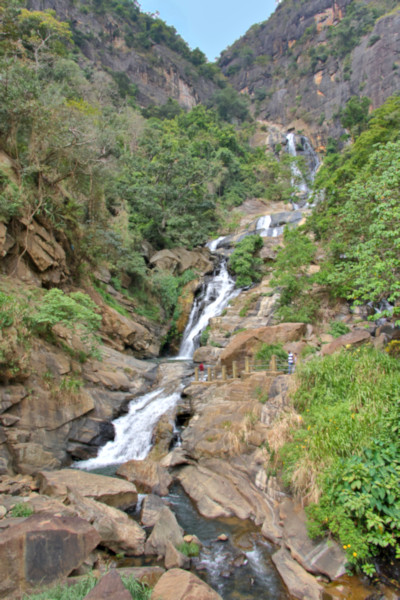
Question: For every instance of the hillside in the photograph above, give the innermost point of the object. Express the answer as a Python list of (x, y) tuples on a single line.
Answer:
[(136, 48), (303, 64), (137, 183)]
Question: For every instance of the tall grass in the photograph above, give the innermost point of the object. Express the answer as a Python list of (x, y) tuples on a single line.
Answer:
[(345, 401), (80, 589)]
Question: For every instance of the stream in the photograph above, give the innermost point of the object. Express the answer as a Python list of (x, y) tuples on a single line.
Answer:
[(239, 568)]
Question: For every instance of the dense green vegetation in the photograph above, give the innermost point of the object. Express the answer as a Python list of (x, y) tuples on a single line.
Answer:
[(24, 316), (111, 179), (345, 455), (356, 223), (244, 261)]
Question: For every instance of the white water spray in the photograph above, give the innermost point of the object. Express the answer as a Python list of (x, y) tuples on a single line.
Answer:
[(133, 432), (210, 303)]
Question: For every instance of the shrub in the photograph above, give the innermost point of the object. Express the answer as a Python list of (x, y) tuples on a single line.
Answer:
[(243, 261), (189, 548), (337, 328), (21, 510), (267, 351)]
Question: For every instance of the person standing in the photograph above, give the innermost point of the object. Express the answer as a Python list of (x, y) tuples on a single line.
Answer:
[(290, 363)]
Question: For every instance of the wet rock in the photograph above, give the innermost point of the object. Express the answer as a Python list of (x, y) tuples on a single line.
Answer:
[(151, 509), (147, 475), (109, 490), (354, 338), (177, 584), (117, 531), (42, 549), (326, 557), (300, 584), (222, 538), (166, 529), (222, 490), (110, 587)]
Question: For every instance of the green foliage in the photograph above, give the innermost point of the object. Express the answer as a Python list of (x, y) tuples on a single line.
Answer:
[(361, 504), (74, 309), (243, 261), (189, 548), (21, 509), (346, 451), (205, 334), (267, 351), (168, 288), (355, 115), (296, 304), (357, 22), (230, 105), (337, 328)]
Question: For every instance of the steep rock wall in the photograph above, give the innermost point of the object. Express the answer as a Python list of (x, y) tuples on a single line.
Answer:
[(291, 68), (159, 73)]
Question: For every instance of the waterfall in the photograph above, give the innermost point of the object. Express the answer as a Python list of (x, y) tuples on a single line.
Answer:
[(133, 432), (212, 299), (312, 162), (263, 227), (297, 177)]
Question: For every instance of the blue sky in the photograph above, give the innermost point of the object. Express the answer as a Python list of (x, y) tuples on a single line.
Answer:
[(212, 25)]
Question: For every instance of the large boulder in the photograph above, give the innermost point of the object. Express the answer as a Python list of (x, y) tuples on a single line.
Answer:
[(147, 475), (110, 587), (111, 491), (326, 557), (179, 260), (177, 584), (356, 338), (246, 343), (117, 530), (42, 549), (123, 332), (220, 489), (165, 530), (300, 584)]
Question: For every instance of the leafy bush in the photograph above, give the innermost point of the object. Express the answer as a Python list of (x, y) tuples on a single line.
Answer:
[(267, 351), (296, 302), (75, 309), (243, 261), (337, 328)]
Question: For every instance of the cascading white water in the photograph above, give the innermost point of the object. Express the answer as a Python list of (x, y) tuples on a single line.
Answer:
[(210, 303), (133, 432), (297, 179), (263, 227)]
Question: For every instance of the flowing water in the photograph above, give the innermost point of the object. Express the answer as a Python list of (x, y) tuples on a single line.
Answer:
[(210, 302), (312, 163)]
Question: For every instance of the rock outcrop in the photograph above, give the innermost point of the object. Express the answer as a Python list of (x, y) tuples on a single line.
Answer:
[(42, 549), (299, 76), (158, 72)]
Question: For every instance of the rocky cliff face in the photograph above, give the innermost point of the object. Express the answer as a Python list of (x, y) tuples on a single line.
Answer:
[(158, 72), (300, 66)]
